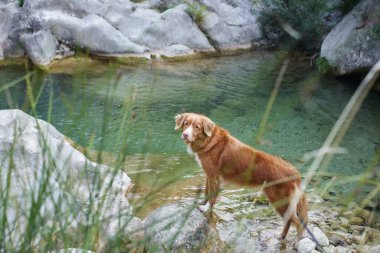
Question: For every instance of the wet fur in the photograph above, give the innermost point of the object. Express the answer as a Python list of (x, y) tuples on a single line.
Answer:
[(224, 157)]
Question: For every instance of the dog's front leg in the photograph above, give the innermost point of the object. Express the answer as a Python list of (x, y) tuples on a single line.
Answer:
[(211, 193)]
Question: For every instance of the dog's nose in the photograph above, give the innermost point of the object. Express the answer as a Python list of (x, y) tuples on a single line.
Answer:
[(185, 136)]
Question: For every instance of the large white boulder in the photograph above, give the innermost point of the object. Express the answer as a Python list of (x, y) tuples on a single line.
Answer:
[(43, 177)]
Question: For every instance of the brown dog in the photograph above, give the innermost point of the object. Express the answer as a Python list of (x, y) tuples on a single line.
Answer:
[(222, 156)]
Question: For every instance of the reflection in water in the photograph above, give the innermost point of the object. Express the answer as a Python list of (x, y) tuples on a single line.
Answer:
[(127, 112)]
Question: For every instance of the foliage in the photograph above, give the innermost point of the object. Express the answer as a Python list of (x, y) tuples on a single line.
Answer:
[(346, 6), (323, 65), (302, 22), (20, 3), (196, 11)]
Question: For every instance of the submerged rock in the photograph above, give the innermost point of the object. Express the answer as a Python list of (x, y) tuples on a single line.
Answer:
[(354, 44), (41, 170)]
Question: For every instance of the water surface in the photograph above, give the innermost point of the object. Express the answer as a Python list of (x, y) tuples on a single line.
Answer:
[(129, 110)]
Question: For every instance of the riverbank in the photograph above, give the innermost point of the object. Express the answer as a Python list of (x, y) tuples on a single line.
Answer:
[(135, 31)]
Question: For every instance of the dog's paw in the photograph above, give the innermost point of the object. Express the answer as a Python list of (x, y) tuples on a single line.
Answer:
[(204, 208)]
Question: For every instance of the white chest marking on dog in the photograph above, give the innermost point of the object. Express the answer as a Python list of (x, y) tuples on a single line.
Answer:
[(189, 150), (198, 160)]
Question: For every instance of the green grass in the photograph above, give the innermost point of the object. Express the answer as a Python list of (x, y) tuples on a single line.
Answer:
[(196, 11)]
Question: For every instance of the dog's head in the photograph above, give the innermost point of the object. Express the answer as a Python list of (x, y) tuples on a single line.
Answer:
[(194, 126)]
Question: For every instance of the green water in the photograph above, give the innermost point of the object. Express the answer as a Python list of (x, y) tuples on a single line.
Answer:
[(130, 110)]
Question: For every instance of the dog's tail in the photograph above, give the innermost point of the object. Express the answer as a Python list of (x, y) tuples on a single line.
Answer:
[(295, 212), (302, 208)]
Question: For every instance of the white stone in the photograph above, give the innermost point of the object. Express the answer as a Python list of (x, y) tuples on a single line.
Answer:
[(320, 236), (40, 46), (305, 245), (41, 154)]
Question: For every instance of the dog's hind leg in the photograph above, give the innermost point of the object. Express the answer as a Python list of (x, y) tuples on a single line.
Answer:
[(286, 229)]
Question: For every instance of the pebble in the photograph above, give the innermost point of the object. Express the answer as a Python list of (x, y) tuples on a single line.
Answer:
[(320, 236), (338, 238), (305, 245), (341, 249), (329, 249), (365, 214), (375, 249), (344, 222), (356, 220)]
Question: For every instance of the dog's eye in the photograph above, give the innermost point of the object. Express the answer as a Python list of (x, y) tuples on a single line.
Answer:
[(197, 126), (186, 123)]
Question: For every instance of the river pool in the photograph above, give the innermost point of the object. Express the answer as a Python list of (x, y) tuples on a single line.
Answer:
[(128, 111)]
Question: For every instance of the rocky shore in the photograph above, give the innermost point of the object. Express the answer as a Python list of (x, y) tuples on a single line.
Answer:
[(32, 151), (49, 30), (46, 30)]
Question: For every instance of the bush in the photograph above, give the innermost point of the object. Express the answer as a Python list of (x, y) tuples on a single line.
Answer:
[(304, 23), (346, 6), (323, 65), (196, 11)]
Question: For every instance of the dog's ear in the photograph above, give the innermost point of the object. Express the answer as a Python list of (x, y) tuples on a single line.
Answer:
[(179, 119), (208, 125)]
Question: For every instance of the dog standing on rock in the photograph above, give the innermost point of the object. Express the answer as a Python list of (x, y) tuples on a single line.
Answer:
[(223, 157)]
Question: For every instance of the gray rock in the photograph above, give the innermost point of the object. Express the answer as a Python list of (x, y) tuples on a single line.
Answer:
[(162, 4), (374, 249), (329, 249), (176, 50), (338, 238), (177, 227), (354, 44), (133, 23), (32, 152), (91, 32), (7, 12), (116, 28), (40, 46), (231, 24), (72, 250), (355, 220), (340, 249), (305, 245), (320, 236), (79, 8), (174, 26)]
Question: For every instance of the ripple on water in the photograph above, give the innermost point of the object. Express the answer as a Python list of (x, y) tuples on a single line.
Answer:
[(134, 116)]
